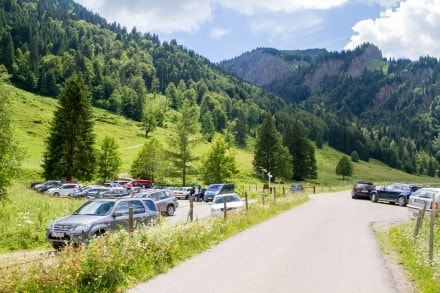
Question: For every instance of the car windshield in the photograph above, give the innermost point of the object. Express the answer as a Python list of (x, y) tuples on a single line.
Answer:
[(97, 208), (214, 187), (220, 199)]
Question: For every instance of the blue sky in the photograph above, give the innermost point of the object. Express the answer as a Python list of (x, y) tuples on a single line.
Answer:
[(224, 29)]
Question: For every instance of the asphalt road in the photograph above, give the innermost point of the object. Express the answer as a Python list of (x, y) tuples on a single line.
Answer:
[(325, 245)]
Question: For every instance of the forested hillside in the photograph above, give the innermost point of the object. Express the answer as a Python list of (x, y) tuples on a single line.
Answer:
[(43, 43), (354, 100), (383, 109)]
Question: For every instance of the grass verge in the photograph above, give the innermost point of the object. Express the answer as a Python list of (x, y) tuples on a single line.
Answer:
[(413, 253), (119, 260)]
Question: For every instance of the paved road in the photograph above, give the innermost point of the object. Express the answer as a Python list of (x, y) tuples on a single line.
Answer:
[(200, 210), (325, 245)]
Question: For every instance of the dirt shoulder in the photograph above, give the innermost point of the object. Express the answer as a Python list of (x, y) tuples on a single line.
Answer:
[(402, 279)]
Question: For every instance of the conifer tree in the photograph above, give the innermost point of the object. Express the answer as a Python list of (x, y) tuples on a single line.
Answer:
[(270, 155), (181, 141), (302, 151), (70, 146)]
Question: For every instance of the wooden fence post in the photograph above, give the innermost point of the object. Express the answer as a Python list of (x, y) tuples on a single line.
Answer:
[(225, 212), (419, 221), (431, 228), (191, 210), (246, 201), (130, 220)]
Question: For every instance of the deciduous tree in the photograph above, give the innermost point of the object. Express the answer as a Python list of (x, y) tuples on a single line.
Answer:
[(10, 154), (218, 164), (344, 167), (108, 159), (150, 163)]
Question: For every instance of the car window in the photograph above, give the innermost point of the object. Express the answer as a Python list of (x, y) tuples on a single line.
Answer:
[(214, 187), (95, 208), (161, 195), (122, 207), (150, 205), (138, 207)]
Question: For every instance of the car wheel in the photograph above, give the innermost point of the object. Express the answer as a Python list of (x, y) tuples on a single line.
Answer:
[(401, 201), (58, 245), (170, 210), (374, 197), (56, 194), (353, 196)]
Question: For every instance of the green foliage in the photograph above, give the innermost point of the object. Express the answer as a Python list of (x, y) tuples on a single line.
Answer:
[(11, 155), (344, 167), (151, 162), (25, 217), (413, 253), (218, 164), (302, 152), (270, 155), (69, 149), (354, 156), (108, 160), (208, 129), (182, 139)]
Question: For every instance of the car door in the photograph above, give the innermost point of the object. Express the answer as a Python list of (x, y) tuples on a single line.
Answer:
[(159, 199), (122, 214)]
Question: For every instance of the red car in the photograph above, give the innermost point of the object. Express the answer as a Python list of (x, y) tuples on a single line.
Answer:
[(144, 183)]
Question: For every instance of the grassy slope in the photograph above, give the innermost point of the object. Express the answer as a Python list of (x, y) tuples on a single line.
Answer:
[(33, 114)]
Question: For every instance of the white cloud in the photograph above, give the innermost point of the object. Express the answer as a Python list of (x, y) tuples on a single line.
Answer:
[(218, 33), (255, 6), (411, 30), (164, 16), (283, 31)]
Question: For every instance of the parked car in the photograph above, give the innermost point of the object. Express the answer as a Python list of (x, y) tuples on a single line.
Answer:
[(88, 191), (182, 192), (113, 192), (233, 202), (296, 187), (418, 199), (165, 200), (144, 183), (97, 216), (63, 190), (112, 184), (42, 187), (394, 193), (362, 189), (216, 189)]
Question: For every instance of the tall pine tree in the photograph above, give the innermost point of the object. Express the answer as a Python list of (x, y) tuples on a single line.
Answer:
[(270, 155), (182, 140), (302, 151), (70, 145)]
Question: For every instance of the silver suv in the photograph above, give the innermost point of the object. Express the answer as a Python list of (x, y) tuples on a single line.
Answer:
[(166, 201), (97, 216)]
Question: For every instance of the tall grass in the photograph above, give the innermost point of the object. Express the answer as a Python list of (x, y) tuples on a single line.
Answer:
[(414, 254), (119, 260), (26, 215)]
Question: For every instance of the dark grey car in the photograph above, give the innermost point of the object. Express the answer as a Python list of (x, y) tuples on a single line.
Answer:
[(166, 201), (97, 216)]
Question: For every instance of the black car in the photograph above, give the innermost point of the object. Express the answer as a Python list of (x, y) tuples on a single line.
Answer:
[(362, 189)]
